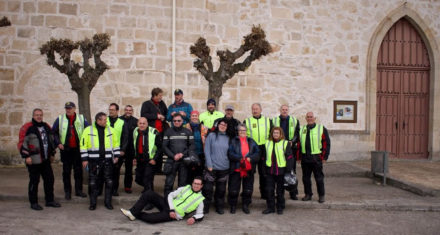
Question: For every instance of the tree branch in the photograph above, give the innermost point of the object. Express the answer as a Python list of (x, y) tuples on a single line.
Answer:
[(203, 64)]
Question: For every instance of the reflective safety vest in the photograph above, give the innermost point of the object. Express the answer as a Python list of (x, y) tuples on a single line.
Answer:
[(118, 126), (208, 119), (187, 201), (292, 126), (280, 149), (315, 138), (89, 144), (258, 129), (151, 141), (63, 124)]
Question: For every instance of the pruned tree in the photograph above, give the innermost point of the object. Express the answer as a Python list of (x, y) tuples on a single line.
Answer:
[(255, 42), (4, 22), (84, 75)]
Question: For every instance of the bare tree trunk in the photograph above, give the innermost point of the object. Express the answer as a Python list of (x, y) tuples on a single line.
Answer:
[(84, 102), (215, 91)]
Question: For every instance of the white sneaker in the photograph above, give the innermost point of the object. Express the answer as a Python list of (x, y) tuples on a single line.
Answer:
[(128, 214)]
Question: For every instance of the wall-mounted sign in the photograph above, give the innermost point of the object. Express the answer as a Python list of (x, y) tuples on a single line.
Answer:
[(344, 111)]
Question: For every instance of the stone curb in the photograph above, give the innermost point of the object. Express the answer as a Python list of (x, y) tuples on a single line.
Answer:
[(259, 204)]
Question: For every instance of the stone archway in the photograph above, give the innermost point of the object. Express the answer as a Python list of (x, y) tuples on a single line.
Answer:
[(434, 56)]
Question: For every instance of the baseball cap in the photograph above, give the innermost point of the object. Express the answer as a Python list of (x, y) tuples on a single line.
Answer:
[(178, 92), (69, 105), (229, 107)]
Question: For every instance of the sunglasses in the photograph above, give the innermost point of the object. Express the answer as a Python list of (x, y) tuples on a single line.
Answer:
[(177, 120)]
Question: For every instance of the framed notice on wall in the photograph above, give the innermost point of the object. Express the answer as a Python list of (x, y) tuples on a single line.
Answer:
[(344, 111)]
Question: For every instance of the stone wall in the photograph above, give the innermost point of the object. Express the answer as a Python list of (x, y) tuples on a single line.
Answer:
[(320, 54)]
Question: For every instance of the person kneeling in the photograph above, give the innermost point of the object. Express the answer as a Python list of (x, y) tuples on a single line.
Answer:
[(181, 202)]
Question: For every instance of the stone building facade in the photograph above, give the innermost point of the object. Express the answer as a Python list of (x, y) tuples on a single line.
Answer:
[(323, 51)]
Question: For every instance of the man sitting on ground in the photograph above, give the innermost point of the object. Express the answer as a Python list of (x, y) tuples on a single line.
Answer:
[(181, 202)]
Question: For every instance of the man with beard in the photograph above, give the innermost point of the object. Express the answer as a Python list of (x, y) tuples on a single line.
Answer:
[(179, 106), (129, 125), (208, 117), (233, 123)]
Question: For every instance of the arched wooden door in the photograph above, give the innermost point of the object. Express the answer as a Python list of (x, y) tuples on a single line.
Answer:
[(403, 69)]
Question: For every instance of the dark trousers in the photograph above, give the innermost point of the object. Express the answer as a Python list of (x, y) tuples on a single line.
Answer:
[(128, 177), (219, 179), (275, 183), (294, 192), (235, 181), (194, 171), (145, 175), (150, 197), (71, 158), (101, 171), (262, 170), (159, 161), (45, 170), (177, 168), (314, 167)]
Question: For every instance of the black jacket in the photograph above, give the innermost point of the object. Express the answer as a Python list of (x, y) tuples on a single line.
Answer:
[(149, 110), (129, 126), (308, 157), (145, 156), (178, 140), (32, 142), (234, 152)]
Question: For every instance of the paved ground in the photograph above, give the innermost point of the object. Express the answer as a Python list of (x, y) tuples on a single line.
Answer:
[(16, 218), (355, 205), (424, 173)]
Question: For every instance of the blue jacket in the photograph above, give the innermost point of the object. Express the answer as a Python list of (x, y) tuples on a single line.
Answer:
[(234, 152), (185, 107)]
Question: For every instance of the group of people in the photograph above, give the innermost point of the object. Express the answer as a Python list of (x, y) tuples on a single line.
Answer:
[(210, 153)]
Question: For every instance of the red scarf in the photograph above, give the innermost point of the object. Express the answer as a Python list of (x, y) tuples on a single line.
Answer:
[(140, 148), (72, 140), (158, 122), (245, 165)]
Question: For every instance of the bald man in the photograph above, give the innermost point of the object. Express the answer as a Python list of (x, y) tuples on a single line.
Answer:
[(314, 146), (145, 143)]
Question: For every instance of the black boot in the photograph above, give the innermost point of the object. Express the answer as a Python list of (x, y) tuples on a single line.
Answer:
[(68, 196), (307, 198), (246, 209), (268, 211), (233, 208), (92, 207), (219, 210)]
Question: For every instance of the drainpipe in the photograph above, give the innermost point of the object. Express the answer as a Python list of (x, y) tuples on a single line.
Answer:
[(173, 62)]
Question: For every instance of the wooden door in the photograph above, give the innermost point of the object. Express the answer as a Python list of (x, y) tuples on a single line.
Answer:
[(402, 110)]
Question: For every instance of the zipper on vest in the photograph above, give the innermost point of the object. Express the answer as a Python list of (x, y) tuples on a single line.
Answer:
[(258, 127), (185, 199)]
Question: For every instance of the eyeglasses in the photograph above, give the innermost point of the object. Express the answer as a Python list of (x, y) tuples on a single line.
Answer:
[(177, 120), (241, 130), (197, 183)]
